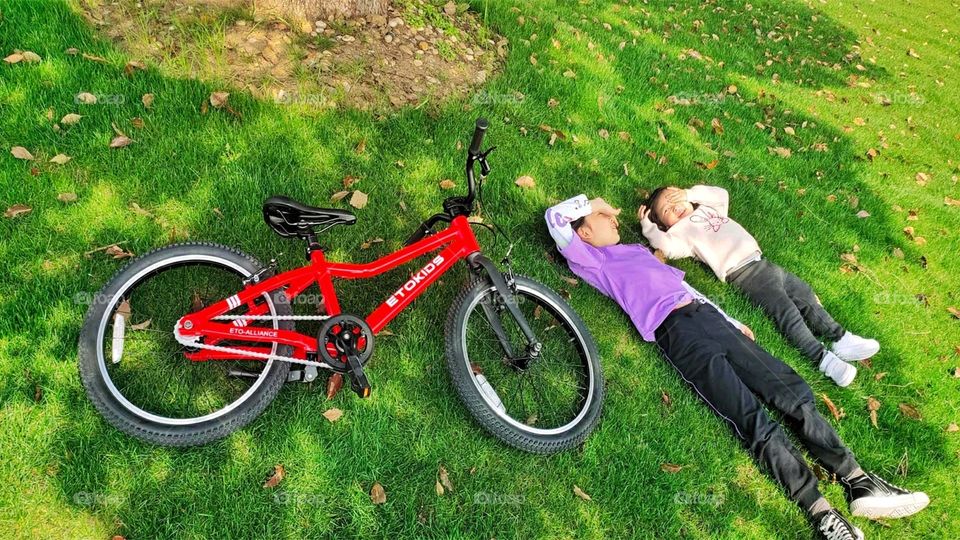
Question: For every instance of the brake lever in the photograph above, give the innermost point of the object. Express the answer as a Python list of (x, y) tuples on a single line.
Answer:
[(482, 158)]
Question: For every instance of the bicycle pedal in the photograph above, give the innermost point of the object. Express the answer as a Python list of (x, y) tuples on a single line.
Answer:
[(358, 379)]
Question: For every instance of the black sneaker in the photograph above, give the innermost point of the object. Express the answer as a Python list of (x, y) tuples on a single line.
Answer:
[(873, 497), (832, 526)]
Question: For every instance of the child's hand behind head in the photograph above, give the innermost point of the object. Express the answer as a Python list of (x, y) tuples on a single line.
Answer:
[(667, 206)]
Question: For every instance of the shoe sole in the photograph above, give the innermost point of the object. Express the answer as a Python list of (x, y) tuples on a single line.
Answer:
[(889, 507)]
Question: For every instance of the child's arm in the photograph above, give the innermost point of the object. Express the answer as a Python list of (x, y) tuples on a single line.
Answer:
[(712, 196), (670, 246), (570, 245)]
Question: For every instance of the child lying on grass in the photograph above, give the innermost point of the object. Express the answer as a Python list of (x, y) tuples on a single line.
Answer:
[(733, 375), (694, 223)]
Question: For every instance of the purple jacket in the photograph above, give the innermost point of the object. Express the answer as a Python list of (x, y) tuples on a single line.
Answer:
[(645, 288)]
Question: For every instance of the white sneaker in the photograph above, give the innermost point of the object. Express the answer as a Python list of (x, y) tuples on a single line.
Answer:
[(853, 348), (841, 372)]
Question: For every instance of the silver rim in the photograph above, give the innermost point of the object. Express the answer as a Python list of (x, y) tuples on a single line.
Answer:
[(490, 405), (101, 361)]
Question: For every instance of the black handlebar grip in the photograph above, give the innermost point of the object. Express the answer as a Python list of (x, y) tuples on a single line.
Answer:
[(478, 133)]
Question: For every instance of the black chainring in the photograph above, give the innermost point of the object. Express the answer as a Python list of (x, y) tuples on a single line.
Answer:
[(341, 335)]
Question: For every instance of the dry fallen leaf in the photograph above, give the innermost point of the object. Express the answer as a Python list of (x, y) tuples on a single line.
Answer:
[(338, 196), (13, 58), (60, 159), (525, 181), (863, 214), (377, 494), (132, 66), (358, 199), (117, 252), (837, 413), (909, 411), (604, 134), (147, 100), (671, 468), (219, 99), (124, 309), (953, 427), (70, 119), (120, 141), (580, 493), (275, 478), (333, 414), (86, 98), (368, 243), (951, 202), (912, 53), (954, 311), (17, 210), (141, 326), (447, 183), (873, 406), (780, 151), (67, 197), (717, 126), (922, 178), (334, 384), (445, 479), (20, 152)]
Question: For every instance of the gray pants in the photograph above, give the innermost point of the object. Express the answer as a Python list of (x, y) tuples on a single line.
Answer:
[(792, 305)]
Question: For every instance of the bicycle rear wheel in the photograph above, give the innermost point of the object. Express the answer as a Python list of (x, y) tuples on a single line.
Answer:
[(541, 405), (134, 370)]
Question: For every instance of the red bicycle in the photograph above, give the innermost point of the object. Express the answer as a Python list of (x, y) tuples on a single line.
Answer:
[(192, 341)]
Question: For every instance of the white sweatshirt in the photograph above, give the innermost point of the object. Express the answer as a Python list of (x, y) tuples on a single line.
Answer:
[(707, 234)]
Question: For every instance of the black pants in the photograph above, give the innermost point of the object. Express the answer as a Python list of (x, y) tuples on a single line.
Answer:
[(792, 305), (736, 377)]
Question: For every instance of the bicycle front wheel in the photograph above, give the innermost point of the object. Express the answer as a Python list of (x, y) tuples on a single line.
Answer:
[(541, 404)]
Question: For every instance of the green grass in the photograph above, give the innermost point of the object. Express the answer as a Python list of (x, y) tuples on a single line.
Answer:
[(64, 473)]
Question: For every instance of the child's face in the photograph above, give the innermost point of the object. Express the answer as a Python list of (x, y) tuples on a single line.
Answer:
[(600, 230), (672, 206)]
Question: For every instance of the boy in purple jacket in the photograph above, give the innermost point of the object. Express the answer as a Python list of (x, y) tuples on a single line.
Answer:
[(716, 355)]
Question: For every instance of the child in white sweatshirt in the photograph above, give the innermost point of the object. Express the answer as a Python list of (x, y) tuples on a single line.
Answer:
[(694, 223)]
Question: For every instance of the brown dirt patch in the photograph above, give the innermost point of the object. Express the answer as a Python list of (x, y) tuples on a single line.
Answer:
[(417, 52)]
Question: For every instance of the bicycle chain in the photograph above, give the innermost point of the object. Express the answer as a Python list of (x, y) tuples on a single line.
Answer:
[(266, 356)]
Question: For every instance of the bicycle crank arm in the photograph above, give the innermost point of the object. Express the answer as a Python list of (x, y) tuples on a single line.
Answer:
[(358, 379), (478, 261)]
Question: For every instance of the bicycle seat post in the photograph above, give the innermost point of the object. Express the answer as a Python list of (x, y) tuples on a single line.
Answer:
[(312, 243)]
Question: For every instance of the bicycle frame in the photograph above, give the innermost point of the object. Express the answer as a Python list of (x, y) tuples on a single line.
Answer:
[(458, 243)]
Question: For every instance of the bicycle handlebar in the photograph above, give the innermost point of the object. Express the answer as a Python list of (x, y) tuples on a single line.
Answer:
[(478, 132), (459, 205)]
